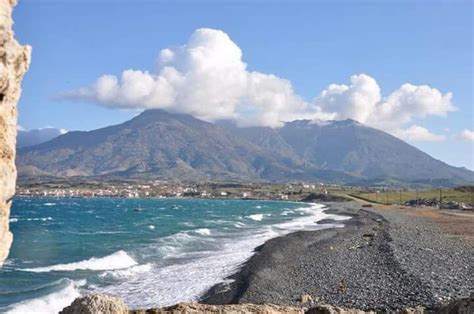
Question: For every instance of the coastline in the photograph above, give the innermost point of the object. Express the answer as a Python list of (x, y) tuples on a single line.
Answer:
[(381, 260), (198, 274)]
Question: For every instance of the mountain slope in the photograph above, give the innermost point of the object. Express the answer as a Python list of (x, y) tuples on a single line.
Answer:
[(365, 152), (158, 144), (155, 144)]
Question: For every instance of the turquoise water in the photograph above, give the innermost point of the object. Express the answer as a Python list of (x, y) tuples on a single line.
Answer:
[(151, 252)]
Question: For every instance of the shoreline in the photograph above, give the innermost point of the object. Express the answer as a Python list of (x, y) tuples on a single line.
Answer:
[(368, 265), (248, 252)]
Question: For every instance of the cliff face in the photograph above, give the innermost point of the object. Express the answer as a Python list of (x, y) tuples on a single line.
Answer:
[(14, 61)]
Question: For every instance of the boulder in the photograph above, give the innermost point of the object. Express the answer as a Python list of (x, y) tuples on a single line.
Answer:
[(96, 304)]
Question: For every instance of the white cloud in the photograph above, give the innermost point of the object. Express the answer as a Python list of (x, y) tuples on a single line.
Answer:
[(356, 101), (467, 135), (208, 79), (362, 101), (418, 133)]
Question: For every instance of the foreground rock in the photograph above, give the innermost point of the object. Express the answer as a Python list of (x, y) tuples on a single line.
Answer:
[(229, 308), (105, 304), (96, 304), (14, 61)]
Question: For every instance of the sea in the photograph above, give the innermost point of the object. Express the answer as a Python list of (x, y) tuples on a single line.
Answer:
[(150, 252)]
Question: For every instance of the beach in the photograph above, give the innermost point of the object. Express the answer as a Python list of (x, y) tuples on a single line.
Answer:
[(385, 258)]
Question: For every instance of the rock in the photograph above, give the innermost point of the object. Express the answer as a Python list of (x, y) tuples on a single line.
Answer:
[(329, 309), (96, 304), (306, 298), (460, 306), (14, 61), (192, 308), (105, 304), (342, 286)]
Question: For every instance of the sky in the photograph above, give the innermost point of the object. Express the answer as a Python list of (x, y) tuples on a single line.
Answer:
[(405, 67)]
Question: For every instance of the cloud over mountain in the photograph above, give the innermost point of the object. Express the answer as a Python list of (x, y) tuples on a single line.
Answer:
[(207, 78), (467, 135), (418, 133)]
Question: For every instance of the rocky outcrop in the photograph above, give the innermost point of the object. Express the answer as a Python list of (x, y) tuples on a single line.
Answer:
[(194, 308), (96, 304), (14, 61), (104, 304)]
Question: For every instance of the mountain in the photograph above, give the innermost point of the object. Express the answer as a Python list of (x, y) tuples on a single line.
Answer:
[(161, 145), (27, 138), (155, 144), (353, 148)]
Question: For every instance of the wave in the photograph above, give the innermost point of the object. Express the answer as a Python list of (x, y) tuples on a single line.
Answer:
[(117, 260), (178, 238), (49, 204), (50, 303), (123, 274), (203, 231), (39, 219), (256, 217)]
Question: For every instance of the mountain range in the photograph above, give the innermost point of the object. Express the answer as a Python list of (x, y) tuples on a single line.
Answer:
[(161, 145), (27, 138)]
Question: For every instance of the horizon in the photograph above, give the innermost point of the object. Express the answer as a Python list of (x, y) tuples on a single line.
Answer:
[(401, 93)]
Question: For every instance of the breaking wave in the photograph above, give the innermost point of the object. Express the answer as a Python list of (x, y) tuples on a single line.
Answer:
[(117, 260), (65, 291), (256, 217)]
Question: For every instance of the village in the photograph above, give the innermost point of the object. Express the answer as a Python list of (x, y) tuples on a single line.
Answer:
[(164, 189), (446, 198)]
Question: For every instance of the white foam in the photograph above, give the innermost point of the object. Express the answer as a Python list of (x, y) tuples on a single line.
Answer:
[(203, 231), (13, 220), (178, 238), (117, 260), (287, 212), (151, 227), (48, 304), (39, 219), (256, 217), (124, 274), (49, 204)]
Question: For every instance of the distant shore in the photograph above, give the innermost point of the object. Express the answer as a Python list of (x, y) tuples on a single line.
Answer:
[(383, 259)]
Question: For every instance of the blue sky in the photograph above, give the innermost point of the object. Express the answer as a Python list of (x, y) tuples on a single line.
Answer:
[(310, 44)]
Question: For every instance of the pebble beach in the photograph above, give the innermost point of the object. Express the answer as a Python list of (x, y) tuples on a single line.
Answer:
[(384, 259)]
